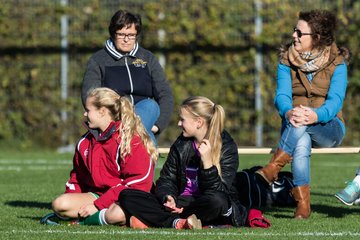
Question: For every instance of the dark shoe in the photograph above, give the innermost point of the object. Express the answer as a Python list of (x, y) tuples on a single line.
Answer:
[(239, 214), (50, 219)]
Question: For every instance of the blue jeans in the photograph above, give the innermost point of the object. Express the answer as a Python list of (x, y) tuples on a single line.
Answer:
[(297, 142), (149, 111)]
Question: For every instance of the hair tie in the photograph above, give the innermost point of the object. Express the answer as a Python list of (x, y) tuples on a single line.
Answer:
[(214, 107)]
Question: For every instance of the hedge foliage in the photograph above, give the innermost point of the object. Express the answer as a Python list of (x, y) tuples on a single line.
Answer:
[(209, 47)]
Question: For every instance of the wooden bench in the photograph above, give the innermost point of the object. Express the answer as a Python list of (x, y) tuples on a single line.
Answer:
[(255, 150)]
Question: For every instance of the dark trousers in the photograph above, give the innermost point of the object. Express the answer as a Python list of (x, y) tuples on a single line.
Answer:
[(210, 208)]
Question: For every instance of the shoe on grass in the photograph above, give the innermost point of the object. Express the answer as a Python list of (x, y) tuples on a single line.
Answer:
[(192, 222), (137, 224), (50, 219), (357, 201), (349, 194)]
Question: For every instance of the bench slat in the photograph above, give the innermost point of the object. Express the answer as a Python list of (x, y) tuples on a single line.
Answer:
[(244, 150)]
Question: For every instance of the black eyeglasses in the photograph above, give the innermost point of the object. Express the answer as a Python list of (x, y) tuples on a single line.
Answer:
[(300, 34), (131, 36)]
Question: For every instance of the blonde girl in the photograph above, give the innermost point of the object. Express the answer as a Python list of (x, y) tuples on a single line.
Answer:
[(196, 180), (114, 154)]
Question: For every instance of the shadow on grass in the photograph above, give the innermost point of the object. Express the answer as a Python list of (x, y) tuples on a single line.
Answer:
[(320, 194), (335, 212), (329, 210), (279, 212), (29, 204)]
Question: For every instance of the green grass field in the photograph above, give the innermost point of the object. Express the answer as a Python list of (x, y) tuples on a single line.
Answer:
[(30, 180)]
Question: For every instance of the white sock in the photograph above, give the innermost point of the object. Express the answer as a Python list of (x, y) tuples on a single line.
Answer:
[(102, 217), (175, 222)]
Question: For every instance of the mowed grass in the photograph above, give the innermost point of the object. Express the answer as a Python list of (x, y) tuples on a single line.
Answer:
[(30, 180)]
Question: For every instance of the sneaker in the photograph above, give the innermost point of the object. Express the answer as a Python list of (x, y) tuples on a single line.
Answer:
[(357, 201), (191, 222), (50, 219), (137, 224), (349, 194)]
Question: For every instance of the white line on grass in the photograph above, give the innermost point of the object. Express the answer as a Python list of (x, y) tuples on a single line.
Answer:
[(188, 233)]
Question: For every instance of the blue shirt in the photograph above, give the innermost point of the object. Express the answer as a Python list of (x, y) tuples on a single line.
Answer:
[(334, 99)]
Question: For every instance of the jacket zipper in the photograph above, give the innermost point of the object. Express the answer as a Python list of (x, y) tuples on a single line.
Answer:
[(130, 81)]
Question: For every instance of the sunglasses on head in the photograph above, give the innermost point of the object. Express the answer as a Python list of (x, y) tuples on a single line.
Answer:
[(300, 34)]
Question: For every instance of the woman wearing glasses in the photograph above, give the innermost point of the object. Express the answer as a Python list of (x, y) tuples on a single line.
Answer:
[(311, 87), (131, 71)]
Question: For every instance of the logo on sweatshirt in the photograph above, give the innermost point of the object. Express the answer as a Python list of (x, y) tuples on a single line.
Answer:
[(86, 152), (139, 63)]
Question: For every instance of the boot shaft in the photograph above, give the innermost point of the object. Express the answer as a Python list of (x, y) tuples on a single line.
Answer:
[(269, 173), (280, 158), (301, 195)]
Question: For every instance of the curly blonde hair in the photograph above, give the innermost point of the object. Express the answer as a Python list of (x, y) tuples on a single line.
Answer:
[(122, 110)]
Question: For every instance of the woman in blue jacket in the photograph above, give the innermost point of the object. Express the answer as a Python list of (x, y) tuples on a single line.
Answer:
[(311, 87)]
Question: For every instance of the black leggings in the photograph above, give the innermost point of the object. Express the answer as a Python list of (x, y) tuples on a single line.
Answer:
[(210, 208)]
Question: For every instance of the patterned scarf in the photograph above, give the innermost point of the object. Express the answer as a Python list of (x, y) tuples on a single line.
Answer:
[(309, 62)]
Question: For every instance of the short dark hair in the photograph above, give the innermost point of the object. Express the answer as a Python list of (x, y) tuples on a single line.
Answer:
[(323, 24), (123, 18)]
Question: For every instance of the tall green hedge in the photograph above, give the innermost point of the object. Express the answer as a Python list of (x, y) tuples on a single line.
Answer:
[(209, 47)]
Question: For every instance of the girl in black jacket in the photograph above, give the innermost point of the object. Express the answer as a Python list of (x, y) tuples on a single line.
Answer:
[(195, 182)]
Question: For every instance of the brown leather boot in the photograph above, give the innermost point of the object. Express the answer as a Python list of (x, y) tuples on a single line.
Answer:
[(270, 172), (301, 195)]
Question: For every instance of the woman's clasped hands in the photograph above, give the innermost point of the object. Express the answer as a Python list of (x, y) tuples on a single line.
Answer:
[(301, 116)]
